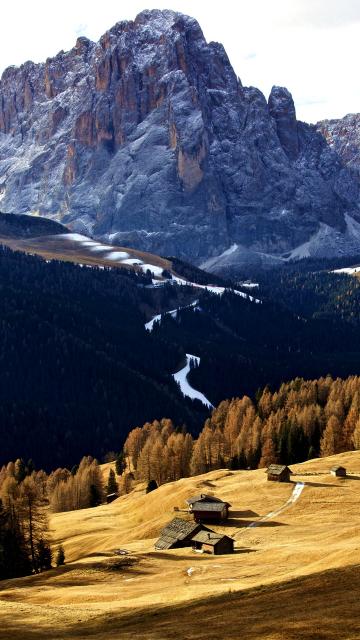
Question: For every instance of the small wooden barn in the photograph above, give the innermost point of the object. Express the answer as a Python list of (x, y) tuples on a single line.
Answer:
[(278, 473), (338, 471), (177, 534), (207, 508), (211, 542), (111, 497)]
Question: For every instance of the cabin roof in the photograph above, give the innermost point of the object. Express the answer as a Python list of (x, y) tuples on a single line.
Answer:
[(203, 496), (176, 531), (209, 537), (277, 469), (208, 506)]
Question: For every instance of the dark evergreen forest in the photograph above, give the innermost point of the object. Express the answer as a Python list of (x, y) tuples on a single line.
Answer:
[(77, 367), (79, 371)]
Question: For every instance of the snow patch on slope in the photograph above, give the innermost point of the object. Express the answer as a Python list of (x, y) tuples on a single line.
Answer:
[(215, 289), (348, 270), (118, 256), (157, 271), (187, 390), (173, 313)]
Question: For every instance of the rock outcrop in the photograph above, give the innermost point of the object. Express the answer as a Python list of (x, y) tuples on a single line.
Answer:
[(147, 138), (343, 135)]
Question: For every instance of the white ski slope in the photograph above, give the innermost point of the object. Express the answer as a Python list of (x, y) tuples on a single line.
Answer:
[(187, 390), (173, 313), (348, 270), (214, 289)]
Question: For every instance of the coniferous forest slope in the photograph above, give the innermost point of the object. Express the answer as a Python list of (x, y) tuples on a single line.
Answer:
[(79, 370), (77, 366)]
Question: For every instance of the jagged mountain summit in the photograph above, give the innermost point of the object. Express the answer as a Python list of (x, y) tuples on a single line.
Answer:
[(148, 139), (343, 135)]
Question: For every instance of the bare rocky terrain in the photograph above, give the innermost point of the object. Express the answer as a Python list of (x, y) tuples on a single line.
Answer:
[(149, 139)]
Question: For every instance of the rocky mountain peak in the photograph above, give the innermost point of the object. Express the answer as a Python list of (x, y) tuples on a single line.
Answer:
[(343, 135), (148, 138), (282, 109)]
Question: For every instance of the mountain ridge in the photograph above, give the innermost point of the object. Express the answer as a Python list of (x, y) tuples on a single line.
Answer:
[(148, 139)]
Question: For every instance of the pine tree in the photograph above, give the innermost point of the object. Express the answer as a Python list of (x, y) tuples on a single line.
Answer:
[(120, 465), (152, 485), (43, 555), (20, 470), (32, 517), (60, 556), (330, 437), (356, 435), (112, 485), (94, 496)]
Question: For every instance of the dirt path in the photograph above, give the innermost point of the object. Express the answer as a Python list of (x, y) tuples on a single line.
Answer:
[(296, 493)]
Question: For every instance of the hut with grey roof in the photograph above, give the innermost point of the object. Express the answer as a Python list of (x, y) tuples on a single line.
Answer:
[(177, 534), (278, 473), (211, 542), (338, 471), (206, 508)]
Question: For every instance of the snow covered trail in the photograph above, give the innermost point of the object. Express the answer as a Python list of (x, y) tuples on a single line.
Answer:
[(348, 270), (187, 390), (213, 289), (297, 491), (173, 313)]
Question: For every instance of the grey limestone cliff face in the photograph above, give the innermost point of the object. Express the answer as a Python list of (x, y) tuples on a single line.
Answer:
[(343, 135), (148, 138)]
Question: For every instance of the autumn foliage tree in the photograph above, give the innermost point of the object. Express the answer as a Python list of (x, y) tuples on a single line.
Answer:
[(301, 419)]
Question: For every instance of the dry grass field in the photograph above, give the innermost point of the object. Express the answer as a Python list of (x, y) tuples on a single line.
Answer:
[(294, 574), (57, 247)]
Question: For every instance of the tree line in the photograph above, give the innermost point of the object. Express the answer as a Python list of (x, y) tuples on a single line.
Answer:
[(26, 498), (301, 420)]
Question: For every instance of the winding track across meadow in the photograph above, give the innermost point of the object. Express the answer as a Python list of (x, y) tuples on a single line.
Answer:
[(296, 493)]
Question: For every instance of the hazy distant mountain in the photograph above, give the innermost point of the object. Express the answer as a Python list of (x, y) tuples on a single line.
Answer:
[(147, 138)]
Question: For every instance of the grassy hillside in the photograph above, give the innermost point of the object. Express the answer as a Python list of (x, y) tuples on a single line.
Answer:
[(285, 572)]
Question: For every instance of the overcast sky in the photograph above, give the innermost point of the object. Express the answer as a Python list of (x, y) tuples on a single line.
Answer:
[(310, 46)]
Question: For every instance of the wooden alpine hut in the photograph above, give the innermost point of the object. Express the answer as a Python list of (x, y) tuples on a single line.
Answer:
[(278, 473)]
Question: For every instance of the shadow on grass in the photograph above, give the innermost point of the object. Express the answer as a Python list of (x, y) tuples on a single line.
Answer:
[(243, 514), (296, 607), (267, 523), (321, 484), (78, 574)]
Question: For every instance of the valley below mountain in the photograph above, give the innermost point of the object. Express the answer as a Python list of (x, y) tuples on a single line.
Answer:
[(99, 336), (179, 347)]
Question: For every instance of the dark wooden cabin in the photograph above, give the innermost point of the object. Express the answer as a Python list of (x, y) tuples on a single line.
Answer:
[(338, 471), (278, 473), (211, 542), (207, 508), (177, 534), (111, 497)]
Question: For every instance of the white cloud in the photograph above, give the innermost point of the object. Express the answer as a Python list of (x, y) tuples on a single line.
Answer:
[(310, 46)]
